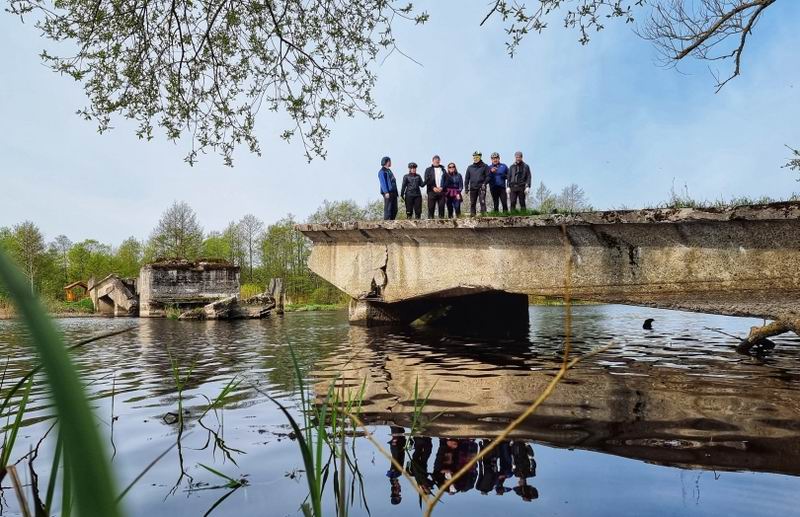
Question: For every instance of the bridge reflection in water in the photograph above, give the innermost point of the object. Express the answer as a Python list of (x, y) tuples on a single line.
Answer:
[(668, 397)]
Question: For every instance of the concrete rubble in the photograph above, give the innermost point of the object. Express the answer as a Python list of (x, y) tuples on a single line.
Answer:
[(199, 290)]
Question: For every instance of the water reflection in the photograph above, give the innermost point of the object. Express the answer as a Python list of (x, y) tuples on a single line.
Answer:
[(510, 460), (633, 419), (680, 398)]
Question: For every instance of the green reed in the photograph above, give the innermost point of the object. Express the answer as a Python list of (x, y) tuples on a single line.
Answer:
[(12, 430), (417, 423), (90, 479)]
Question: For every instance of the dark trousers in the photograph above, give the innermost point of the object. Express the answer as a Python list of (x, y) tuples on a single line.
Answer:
[(390, 207), (477, 196), (435, 200), (499, 195), (414, 206), (453, 205), (517, 195)]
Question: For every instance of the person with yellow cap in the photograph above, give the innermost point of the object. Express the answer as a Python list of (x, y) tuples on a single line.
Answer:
[(475, 183)]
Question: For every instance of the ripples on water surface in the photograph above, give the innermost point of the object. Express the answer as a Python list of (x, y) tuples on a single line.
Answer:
[(667, 422)]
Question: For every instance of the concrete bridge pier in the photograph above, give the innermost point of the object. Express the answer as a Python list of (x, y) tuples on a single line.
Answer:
[(495, 312)]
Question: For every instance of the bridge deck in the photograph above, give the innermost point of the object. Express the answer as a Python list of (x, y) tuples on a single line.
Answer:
[(738, 261)]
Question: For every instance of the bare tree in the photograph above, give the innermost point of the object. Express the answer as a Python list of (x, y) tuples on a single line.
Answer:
[(572, 199), (251, 228), (61, 245), (542, 200), (178, 234), (710, 30), (235, 243)]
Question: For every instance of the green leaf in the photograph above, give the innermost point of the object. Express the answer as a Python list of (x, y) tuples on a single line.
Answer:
[(89, 472)]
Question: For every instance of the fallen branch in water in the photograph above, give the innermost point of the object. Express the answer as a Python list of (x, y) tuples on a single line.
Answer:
[(760, 334)]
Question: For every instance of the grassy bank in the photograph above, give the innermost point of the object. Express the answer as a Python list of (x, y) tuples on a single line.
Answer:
[(314, 307), (547, 301), (55, 308)]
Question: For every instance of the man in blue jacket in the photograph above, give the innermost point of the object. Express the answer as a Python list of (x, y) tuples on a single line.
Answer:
[(388, 189), (498, 179)]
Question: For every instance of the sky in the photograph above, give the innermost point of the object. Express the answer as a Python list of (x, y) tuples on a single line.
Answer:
[(606, 116)]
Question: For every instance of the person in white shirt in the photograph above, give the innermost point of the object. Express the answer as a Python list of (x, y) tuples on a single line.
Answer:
[(434, 181)]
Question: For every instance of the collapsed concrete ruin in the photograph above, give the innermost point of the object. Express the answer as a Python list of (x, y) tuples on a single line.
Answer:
[(204, 289)]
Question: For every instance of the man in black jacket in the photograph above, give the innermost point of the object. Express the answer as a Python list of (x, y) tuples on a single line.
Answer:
[(411, 192), (475, 182), (519, 181), (433, 182)]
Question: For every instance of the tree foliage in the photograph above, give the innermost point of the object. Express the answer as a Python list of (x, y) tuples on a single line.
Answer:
[(178, 234), (90, 258), (586, 16), (339, 212), (215, 246), (794, 163), (203, 70), (128, 258), (27, 248)]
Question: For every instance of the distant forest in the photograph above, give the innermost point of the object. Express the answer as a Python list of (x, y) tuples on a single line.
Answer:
[(261, 251)]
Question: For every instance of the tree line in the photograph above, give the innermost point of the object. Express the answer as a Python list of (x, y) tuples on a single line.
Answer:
[(261, 251)]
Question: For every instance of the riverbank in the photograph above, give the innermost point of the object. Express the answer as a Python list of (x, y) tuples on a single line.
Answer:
[(314, 307)]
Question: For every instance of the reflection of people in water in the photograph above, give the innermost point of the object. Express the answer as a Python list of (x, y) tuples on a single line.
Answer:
[(444, 466), (418, 466), (488, 474), (506, 470), (452, 455), (467, 449), (397, 446), (524, 468)]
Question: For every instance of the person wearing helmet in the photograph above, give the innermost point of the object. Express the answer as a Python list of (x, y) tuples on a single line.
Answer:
[(475, 183), (388, 189), (411, 192), (519, 181), (498, 179)]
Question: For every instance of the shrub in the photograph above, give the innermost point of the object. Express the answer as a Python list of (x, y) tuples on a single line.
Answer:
[(248, 290)]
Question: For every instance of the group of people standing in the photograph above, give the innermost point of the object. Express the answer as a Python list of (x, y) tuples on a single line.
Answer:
[(446, 187)]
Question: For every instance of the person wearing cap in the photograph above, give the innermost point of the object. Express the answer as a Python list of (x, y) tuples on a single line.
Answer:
[(411, 191), (519, 181), (498, 183), (388, 189), (475, 183), (434, 180)]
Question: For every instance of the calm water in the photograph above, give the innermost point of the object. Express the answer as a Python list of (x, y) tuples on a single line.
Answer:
[(666, 422)]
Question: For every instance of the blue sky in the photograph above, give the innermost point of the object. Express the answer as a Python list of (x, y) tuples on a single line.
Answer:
[(605, 116)]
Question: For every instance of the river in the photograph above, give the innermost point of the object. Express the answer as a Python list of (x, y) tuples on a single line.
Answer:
[(669, 421)]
